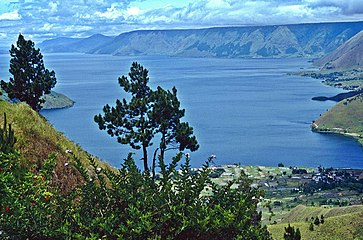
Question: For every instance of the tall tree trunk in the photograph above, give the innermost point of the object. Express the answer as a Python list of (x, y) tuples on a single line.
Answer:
[(144, 150), (153, 166), (162, 146)]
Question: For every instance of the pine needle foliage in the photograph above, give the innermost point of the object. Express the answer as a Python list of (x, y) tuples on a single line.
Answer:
[(30, 80), (148, 113)]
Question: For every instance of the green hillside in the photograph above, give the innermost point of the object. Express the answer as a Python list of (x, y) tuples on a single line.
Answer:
[(340, 223), (346, 118), (301, 212), (36, 139)]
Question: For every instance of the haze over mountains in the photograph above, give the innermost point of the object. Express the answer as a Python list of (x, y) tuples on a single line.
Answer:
[(300, 40)]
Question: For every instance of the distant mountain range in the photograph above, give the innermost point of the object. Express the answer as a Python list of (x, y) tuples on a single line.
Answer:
[(346, 57), (300, 40)]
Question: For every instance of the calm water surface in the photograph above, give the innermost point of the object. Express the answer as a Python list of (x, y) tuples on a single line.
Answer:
[(244, 111)]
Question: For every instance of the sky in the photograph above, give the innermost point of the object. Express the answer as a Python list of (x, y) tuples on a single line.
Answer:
[(44, 19)]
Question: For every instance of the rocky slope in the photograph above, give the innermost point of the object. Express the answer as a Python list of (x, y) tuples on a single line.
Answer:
[(346, 57), (301, 40)]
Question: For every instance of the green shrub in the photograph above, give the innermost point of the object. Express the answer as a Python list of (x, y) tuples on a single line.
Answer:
[(126, 204), (130, 205), (28, 205)]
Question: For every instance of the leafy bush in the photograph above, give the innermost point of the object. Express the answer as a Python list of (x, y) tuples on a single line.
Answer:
[(127, 204), (124, 203), (28, 206), (130, 205)]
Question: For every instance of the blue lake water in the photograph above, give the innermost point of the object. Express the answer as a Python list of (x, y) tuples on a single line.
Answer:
[(246, 111)]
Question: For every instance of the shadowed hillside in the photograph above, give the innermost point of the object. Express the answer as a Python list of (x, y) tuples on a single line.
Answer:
[(346, 57)]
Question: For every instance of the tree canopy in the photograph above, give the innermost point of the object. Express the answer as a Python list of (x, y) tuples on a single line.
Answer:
[(31, 80), (136, 122)]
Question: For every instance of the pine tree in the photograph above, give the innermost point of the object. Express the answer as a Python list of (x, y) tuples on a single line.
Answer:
[(166, 114), (311, 227), (317, 221), (291, 234), (31, 80), (147, 113), (129, 121), (297, 234)]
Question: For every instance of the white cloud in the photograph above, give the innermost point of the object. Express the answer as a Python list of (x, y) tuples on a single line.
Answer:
[(111, 17), (133, 11), (10, 16), (112, 13)]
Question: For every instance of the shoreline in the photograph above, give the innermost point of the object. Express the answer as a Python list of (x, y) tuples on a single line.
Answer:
[(338, 131), (347, 80)]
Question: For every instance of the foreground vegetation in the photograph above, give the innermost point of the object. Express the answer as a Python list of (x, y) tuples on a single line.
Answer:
[(109, 204), (36, 140), (49, 189)]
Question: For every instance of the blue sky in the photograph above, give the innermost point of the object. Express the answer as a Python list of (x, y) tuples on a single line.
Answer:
[(44, 19)]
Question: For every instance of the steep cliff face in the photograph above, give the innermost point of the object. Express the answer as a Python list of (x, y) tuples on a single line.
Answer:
[(346, 57), (302, 40)]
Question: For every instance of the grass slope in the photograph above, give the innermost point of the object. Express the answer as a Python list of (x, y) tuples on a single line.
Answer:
[(340, 223), (301, 212), (346, 118), (36, 139)]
